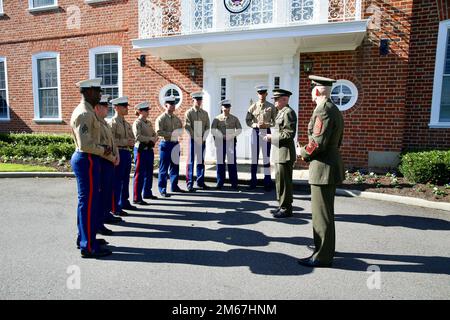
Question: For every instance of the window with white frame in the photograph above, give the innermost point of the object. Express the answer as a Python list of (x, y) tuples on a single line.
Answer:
[(223, 88), (344, 94), (202, 18), (106, 63), (171, 90), (1, 7), (34, 4), (440, 110), (4, 109), (259, 12), (46, 86)]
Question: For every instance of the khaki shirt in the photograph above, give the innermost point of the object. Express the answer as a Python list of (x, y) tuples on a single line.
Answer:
[(121, 131), (86, 129), (265, 112), (143, 132), (106, 139), (223, 126), (193, 116), (166, 125)]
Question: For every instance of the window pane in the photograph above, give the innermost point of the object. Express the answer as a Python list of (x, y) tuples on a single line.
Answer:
[(447, 57), (48, 103), (3, 105), (107, 68), (2, 75), (41, 3), (335, 100), (114, 93), (336, 90), (444, 115), (48, 76), (346, 90)]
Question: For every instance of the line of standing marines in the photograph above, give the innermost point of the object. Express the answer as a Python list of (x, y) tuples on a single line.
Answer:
[(102, 159)]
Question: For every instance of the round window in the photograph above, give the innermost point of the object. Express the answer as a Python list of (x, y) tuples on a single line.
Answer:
[(170, 90), (344, 94)]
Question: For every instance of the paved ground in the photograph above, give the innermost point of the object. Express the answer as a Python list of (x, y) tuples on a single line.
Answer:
[(212, 245)]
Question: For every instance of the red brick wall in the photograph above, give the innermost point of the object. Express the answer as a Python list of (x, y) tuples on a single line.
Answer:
[(376, 122), (111, 23), (422, 57)]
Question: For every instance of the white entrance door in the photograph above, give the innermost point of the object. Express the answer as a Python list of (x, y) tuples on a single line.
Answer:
[(242, 94)]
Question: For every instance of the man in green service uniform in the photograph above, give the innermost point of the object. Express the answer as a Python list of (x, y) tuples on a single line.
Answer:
[(283, 151), (326, 169)]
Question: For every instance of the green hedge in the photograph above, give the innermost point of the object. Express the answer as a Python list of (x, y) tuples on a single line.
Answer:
[(35, 139), (426, 166), (36, 145)]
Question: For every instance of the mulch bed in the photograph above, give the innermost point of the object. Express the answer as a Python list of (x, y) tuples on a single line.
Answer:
[(402, 188)]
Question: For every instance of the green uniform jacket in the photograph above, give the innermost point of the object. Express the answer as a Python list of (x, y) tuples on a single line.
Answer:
[(325, 133), (283, 137)]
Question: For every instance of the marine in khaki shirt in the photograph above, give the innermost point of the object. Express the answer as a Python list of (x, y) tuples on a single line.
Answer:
[(86, 129), (226, 127), (197, 123), (144, 133), (261, 115), (106, 139), (122, 131), (168, 127)]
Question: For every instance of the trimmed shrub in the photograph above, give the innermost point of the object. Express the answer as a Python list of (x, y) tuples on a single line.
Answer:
[(35, 139), (427, 166), (20, 145)]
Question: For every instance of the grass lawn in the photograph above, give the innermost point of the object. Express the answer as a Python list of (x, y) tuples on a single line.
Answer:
[(14, 167)]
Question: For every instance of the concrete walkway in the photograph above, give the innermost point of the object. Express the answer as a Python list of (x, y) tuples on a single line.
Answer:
[(219, 245)]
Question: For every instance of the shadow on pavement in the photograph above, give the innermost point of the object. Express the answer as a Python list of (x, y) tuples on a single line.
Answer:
[(229, 236), (259, 262), (399, 263)]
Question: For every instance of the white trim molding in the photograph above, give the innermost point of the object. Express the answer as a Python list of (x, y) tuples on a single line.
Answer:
[(106, 49), (3, 59), (96, 1), (35, 58), (162, 94), (32, 8), (354, 94), (444, 33)]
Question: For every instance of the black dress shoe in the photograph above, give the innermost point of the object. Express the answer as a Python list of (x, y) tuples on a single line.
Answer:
[(151, 197), (105, 232), (312, 263), (165, 195), (178, 190), (130, 207), (234, 188), (274, 211), (191, 190), (95, 253), (102, 242), (111, 219), (218, 187), (283, 213), (204, 187), (120, 213), (141, 202), (251, 187)]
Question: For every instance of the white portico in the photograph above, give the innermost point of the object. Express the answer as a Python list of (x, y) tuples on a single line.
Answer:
[(260, 45)]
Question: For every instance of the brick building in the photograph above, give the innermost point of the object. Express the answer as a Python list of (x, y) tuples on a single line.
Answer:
[(392, 60)]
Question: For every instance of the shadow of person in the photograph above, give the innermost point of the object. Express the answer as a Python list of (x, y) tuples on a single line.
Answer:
[(258, 262), (230, 217), (392, 263), (396, 220), (230, 236)]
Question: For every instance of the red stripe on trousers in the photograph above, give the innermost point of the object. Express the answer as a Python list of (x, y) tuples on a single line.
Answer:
[(138, 162), (187, 163), (91, 188)]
